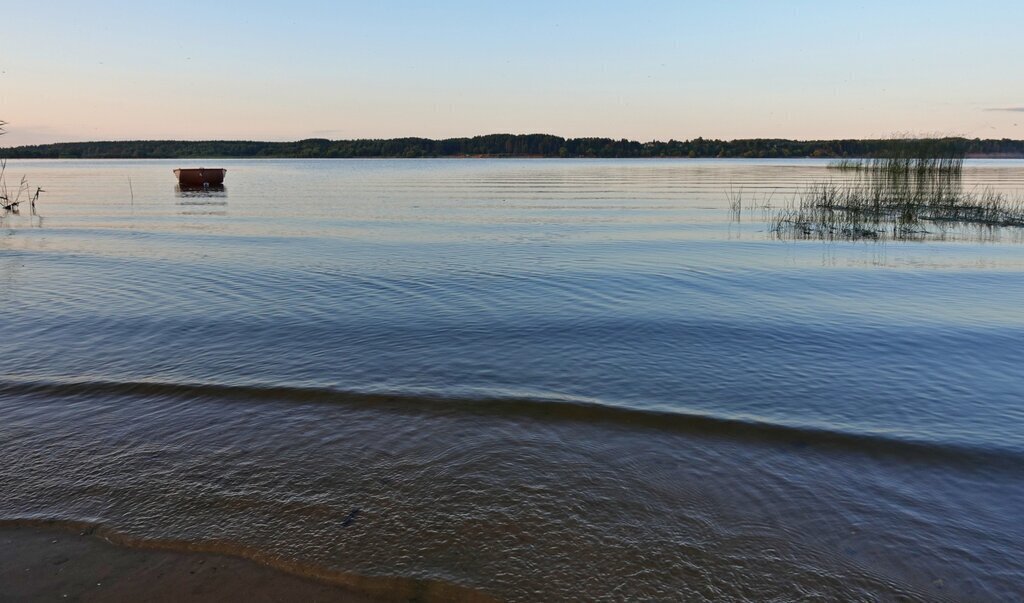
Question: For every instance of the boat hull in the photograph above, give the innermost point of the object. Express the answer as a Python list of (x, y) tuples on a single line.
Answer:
[(200, 176)]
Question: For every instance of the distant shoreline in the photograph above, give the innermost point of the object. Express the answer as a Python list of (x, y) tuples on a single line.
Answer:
[(492, 146)]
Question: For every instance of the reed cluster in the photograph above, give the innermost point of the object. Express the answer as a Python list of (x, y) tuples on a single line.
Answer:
[(11, 199), (847, 164), (916, 183)]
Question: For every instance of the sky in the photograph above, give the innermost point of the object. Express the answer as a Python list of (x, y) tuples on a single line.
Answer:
[(644, 70)]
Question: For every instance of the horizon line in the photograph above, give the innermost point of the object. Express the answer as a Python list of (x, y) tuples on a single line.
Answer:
[(475, 136)]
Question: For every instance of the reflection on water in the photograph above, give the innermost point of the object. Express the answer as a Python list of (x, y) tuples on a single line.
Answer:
[(196, 197), (209, 191), (15, 216), (549, 380)]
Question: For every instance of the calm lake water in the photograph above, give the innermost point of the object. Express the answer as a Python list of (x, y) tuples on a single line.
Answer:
[(541, 379)]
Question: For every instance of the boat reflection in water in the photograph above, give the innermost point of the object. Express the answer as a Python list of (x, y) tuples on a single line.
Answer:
[(202, 200), (201, 192)]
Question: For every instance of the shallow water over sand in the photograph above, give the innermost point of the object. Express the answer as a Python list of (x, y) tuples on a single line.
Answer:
[(546, 380)]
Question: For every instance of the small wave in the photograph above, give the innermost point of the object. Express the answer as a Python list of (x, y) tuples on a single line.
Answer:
[(388, 588), (537, 408)]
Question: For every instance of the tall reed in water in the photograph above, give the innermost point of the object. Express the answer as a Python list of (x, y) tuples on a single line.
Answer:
[(910, 183), (847, 164), (9, 202)]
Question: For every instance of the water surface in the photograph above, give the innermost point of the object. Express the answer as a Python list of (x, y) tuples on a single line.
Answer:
[(545, 379)]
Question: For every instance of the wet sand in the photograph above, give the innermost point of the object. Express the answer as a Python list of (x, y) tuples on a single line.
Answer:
[(44, 564)]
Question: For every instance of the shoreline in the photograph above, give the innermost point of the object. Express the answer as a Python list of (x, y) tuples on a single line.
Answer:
[(969, 157), (79, 561), (500, 145)]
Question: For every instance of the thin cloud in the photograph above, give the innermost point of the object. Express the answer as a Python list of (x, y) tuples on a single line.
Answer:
[(1013, 109)]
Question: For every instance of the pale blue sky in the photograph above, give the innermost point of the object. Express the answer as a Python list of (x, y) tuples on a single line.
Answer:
[(642, 70)]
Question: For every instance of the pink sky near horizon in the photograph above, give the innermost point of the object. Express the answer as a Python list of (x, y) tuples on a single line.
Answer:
[(664, 70)]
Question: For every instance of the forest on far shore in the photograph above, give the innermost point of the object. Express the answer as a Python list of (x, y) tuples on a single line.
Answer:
[(491, 145)]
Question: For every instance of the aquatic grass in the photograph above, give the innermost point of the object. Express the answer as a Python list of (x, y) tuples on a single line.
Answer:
[(914, 184), (847, 164), (11, 201), (739, 203), (830, 211)]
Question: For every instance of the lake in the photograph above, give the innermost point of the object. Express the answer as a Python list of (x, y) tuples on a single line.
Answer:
[(540, 379)]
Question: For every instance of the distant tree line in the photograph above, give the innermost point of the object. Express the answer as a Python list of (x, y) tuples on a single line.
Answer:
[(491, 145)]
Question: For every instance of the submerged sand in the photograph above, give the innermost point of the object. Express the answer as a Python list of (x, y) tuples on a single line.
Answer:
[(44, 564)]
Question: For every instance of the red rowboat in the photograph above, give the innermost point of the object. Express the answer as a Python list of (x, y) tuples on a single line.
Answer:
[(200, 176)]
